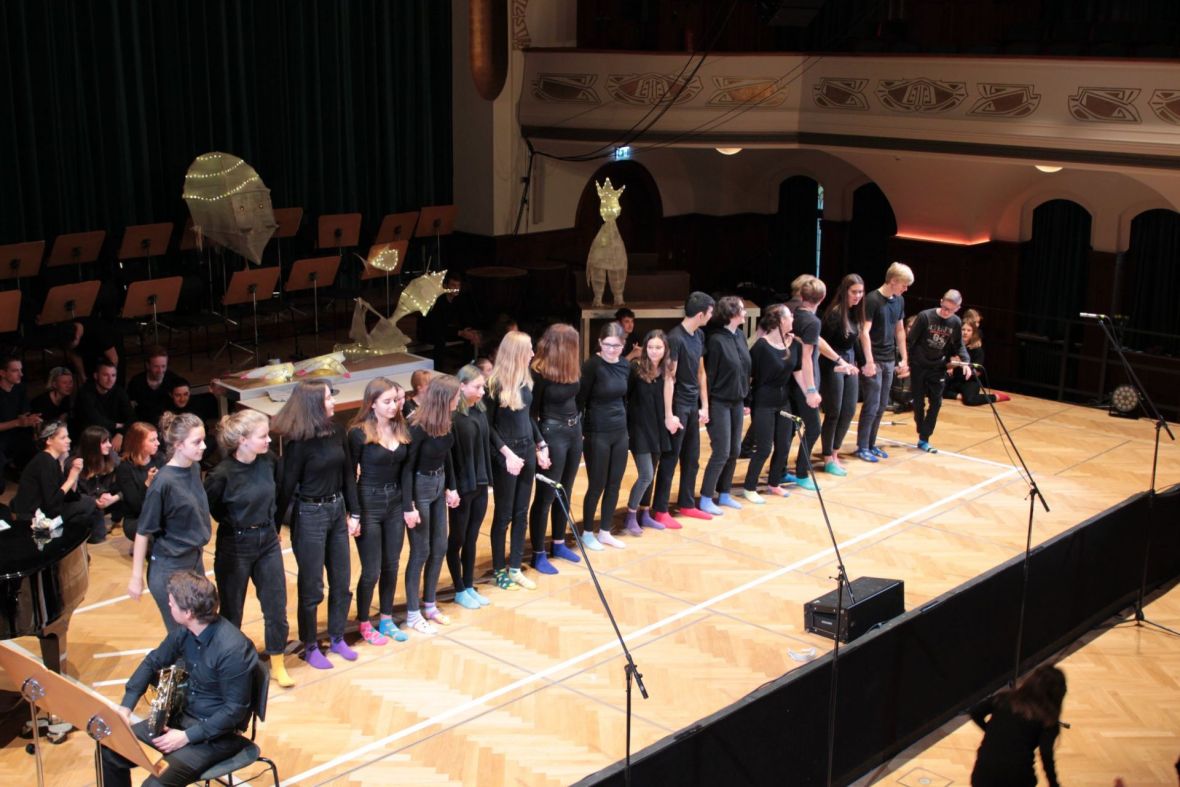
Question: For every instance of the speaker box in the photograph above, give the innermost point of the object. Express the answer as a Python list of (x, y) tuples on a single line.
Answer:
[(876, 601)]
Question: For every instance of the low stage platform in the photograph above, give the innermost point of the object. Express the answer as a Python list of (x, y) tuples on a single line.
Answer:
[(531, 689)]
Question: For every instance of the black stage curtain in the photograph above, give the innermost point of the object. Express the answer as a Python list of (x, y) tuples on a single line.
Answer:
[(1054, 267), (1154, 277), (340, 105), (795, 231), (873, 224)]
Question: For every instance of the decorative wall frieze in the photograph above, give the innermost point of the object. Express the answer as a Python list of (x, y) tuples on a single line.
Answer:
[(651, 88), (1105, 104), (1005, 101), (920, 95), (840, 93), (1166, 105), (743, 91), (566, 88)]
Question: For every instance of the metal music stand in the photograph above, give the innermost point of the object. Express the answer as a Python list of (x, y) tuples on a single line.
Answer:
[(386, 250), (396, 226), (23, 260), (144, 241), (313, 273), (10, 311), (435, 222), (340, 231), (69, 302), (288, 220), (244, 287), (78, 248), (78, 704), (154, 297)]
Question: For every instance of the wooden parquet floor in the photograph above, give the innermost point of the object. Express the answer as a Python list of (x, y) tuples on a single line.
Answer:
[(530, 690)]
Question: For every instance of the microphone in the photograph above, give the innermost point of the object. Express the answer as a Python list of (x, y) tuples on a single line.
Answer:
[(1089, 316), (957, 362), (549, 481), (791, 417)]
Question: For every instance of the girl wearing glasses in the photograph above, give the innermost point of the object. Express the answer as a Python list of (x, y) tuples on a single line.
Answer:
[(602, 400)]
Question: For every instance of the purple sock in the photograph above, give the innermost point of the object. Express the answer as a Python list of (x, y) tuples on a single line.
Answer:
[(340, 648), (314, 658), (645, 520)]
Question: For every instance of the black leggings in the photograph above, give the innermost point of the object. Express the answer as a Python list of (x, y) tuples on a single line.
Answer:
[(511, 495), (768, 429), (839, 404), (466, 519), (810, 416), (606, 460), (565, 453)]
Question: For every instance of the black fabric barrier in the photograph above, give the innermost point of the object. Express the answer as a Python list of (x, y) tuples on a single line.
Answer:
[(902, 681)]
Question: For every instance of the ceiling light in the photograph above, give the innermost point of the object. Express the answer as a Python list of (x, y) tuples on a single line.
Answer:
[(1048, 168), (729, 151)]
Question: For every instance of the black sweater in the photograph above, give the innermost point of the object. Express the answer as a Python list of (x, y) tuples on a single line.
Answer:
[(241, 495), (506, 425), (317, 467), (131, 478), (471, 454), (103, 409), (378, 465), (556, 401), (772, 369), (727, 366), (1005, 757), (427, 454), (602, 397), (40, 487)]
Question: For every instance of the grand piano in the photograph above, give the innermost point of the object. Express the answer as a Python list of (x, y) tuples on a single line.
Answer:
[(41, 584)]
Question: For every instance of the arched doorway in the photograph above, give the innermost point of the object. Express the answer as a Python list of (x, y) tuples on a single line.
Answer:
[(1153, 279), (1054, 268), (873, 224), (796, 238)]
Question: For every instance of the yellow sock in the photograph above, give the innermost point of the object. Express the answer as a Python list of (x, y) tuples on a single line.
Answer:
[(278, 671)]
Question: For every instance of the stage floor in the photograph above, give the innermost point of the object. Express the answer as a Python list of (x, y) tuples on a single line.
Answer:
[(531, 689)]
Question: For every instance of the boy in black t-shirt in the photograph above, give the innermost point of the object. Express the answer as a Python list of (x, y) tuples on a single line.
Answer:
[(881, 336)]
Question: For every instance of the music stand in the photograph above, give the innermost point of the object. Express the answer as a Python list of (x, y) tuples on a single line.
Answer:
[(78, 248), (78, 704), (10, 311), (153, 296), (313, 272), (386, 250), (188, 238), (396, 226), (288, 220), (435, 221), (24, 260), (68, 302), (244, 287), (144, 241)]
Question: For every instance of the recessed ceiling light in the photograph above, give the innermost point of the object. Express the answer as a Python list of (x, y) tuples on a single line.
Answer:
[(729, 151), (1048, 168)]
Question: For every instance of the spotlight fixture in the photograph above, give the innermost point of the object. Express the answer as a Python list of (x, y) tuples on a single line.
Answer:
[(1124, 401), (1048, 169), (728, 151)]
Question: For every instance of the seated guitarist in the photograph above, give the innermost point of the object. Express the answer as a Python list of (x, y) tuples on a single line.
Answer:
[(220, 661)]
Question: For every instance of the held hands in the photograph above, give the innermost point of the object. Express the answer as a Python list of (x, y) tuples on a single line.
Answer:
[(452, 497), (354, 526), (869, 370), (412, 518), (903, 369), (512, 462), (813, 399), (543, 460), (171, 740), (703, 414), (672, 424), (846, 368)]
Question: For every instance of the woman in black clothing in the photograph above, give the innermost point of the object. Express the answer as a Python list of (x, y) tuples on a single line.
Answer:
[(839, 384), (556, 379), (773, 359), (519, 448), (319, 487), (428, 474), (99, 462), (602, 399), (174, 523), (241, 491), (472, 457), (650, 382), (133, 476), (971, 390), (1015, 724), (377, 446), (49, 482), (727, 371)]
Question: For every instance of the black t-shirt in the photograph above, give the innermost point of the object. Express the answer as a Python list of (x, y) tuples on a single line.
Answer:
[(43, 404), (150, 403), (175, 512), (645, 414), (772, 369), (13, 403), (686, 350), (807, 328), (556, 401), (884, 314), (840, 338), (378, 465)]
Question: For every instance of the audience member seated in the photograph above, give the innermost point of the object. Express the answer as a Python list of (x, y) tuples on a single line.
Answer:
[(142, 459), (49, 483), (56, 403), (419, 379), (102, 403), (97, 480), (149, 389), (17, 419), (448, 319), (93, 339), (181, 399), (956, 382)]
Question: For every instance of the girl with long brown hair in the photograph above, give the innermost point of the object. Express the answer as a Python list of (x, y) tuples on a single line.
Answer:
[(141, 462), (839, 381), (471, 455), (650, 381), (772, 359), (99, 461), (1016, 723)]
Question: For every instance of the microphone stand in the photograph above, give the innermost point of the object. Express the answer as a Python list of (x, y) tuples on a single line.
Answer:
[(841, 583), (1034, 494), (1160, 423), (630, 669)]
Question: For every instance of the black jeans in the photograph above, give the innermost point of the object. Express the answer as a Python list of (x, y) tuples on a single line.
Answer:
[(565, 453), (606, 461), (511, 494), (876, 396), (810, 416), (428, 539), (686, 446), (253, 553), (725, 437), (927, 384), (184, 765), (320, 538), (463, 542), (160, 568), (839, 403), (383, 531), (770, 430)]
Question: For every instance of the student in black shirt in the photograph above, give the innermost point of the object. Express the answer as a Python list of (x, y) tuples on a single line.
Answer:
[(141, 462), (518, 449), (602, 400), (804, 387), (318, 489), (149, 390), (102, 403), (838, 379), (1016, 724), (650, 381), (687, 406), (174, 522), (471, 455), (49, 482), (220, 662), (881, 338), (378, 441), (241, 491), (56, 402), (99, 462), (428, 478), (17, 421), (957, 383), (727, 367), (556, 380), (773, 359), (935, 340)]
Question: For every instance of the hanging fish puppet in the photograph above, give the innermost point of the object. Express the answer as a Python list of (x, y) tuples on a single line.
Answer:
[(230, 204), (385, 337)]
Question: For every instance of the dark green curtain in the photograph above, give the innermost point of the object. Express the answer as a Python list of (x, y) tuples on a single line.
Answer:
[(1154, 278), (873, 224), (794, 231), (340, 105), (1054, 268)]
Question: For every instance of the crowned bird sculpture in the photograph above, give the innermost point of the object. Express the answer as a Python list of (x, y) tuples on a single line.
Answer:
[(608, 254)]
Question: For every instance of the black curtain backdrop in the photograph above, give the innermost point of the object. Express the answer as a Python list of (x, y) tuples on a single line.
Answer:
[(340, 105), (794, 231), (1054, 268), (1154, 262), (873, 224)]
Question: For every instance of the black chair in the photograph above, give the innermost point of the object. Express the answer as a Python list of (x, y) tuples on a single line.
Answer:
[(250, 753)]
